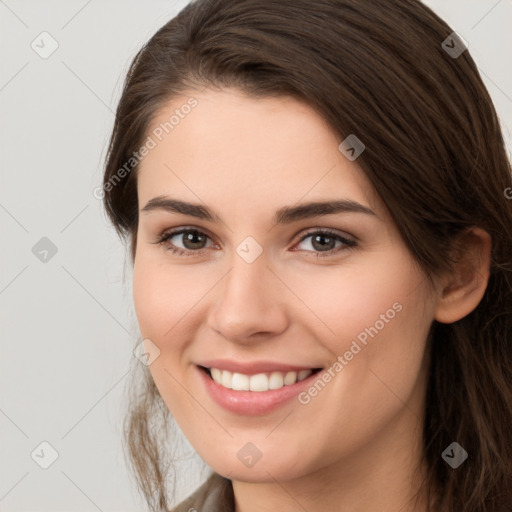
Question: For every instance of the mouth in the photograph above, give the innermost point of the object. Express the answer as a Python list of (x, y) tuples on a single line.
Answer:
[(259, 382)]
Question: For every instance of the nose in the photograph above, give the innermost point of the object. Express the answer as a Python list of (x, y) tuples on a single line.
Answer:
[(249, 302)]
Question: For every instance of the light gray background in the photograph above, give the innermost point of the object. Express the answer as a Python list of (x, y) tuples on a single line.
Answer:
[(68, 324)]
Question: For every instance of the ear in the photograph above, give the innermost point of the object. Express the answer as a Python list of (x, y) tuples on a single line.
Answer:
[(463, 289)]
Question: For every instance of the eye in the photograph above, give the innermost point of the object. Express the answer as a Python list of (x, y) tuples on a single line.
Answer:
[(324, 241), (192, 239)]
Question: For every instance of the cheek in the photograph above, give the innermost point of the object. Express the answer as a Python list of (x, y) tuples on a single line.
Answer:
[(158, 302), (169, 301), (162, 293), (376, 320), (348, 301), (380, 329), (159, 307), (149, 302)]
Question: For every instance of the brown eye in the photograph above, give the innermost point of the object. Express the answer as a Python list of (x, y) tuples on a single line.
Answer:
[(324, 241), (193, 241)]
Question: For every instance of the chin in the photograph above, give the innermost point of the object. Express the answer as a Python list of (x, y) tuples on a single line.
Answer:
[(267, 469)]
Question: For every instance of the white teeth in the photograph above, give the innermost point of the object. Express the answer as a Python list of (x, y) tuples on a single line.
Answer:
[(303, 374), (216, 374), (290, 378), (226, 379), (276, 380), (240, 382), (259, 382)]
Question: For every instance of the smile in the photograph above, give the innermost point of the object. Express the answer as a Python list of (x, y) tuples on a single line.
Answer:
[(259, 382), (256, 393)]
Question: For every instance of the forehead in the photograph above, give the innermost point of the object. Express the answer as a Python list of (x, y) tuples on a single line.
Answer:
[(230, 147)]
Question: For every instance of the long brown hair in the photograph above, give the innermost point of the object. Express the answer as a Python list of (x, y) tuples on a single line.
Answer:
[(434, 153)]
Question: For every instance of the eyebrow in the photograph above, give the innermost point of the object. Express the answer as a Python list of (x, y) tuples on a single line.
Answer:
[(284, 215)]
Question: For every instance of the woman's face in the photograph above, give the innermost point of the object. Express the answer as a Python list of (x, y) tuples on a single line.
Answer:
[(258, 293)]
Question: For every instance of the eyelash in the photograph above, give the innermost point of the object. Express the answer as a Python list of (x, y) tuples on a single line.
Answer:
[(164, 237)]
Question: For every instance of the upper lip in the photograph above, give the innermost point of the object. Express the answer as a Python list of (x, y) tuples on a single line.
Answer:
[(253, 367)]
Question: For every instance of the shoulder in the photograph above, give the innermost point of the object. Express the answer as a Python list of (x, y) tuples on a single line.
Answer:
[(214, 495)]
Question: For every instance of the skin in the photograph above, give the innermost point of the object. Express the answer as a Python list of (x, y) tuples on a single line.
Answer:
[(245, 158)]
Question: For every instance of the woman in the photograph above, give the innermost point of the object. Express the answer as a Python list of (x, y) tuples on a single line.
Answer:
[(315, 199)]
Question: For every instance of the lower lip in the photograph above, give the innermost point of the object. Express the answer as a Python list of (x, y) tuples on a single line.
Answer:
[(253, 403)]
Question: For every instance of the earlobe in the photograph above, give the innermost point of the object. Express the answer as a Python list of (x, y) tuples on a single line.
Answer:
[(463, 289)]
